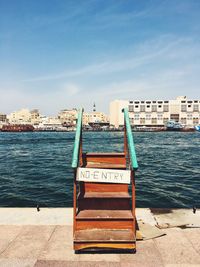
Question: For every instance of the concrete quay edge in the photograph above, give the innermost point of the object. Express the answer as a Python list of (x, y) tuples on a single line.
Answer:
[(29, 238)]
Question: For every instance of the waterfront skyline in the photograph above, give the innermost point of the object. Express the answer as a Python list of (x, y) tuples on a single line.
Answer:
[(71, 54)]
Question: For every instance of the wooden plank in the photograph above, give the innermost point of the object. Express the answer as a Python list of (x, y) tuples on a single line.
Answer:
[(133, 198), (103, 175), (104, 203), (104, 246), (112, 154), (115, 161), (104, 214), (105, 195), (105, 235), (104, 187), (104, 224), (115, 158), (74, 202), (102, 165)]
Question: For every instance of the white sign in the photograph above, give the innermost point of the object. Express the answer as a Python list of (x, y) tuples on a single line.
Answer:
[(103, 175)]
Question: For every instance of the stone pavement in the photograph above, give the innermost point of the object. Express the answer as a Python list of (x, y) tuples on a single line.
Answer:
[(42, 245)]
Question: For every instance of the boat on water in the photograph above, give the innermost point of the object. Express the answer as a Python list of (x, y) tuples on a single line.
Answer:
[(197, 128), (17, 128), (147, 129), (174, 126), (178, 127)]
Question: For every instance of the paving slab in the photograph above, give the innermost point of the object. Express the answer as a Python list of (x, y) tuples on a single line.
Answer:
[(33, 232), (193, 235), (175, 248), (182, 265), (60, 246), (17, 262), (56, 263), (7, 235), (75, 264), (29, 243), (146, 255), (112, 257), (9, 232)]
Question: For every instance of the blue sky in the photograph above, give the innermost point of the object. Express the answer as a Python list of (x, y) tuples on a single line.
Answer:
[(59, 54)]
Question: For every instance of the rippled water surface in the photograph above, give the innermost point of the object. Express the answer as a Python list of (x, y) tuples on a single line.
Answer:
[(35, 167)]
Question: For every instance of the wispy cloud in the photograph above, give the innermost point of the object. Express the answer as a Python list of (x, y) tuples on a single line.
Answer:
[(160, 48), (68, 11)]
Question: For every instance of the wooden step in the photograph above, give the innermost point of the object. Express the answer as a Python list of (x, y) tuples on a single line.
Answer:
[(104, 200), (106, 235), (104, 239), (104, 219), (104, 160), (104, 214), (103, 187), (103, 165), (104, 195), (101, 154)]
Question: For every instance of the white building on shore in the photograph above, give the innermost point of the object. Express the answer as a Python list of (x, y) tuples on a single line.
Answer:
[(156, 112), (22, 116), (68, 117), (49, 123)]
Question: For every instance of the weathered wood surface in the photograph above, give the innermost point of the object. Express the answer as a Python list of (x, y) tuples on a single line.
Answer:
[(103, 187), (104, 224), (104, 203), (104, 160), (103, 195), (102, 165), (96, 235), (103, 246), (105, 214)]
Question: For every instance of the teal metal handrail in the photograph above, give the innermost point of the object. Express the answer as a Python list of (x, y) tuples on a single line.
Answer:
[(131, 146), (75, 157)]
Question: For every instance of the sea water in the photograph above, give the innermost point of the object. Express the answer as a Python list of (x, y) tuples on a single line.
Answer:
[(35, 168)]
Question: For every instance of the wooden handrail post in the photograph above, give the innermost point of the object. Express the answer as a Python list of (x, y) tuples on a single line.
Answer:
[(133, 198), (74, 202)]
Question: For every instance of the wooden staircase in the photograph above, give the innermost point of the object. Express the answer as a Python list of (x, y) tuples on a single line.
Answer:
[(104, 213)]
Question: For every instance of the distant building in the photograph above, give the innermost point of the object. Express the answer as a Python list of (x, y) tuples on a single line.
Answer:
[(156, 112), (35, 116), (22, 116), (116, 114), (68, 117), (3, 120), (49, 123), (94, 117), (3, 117)]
